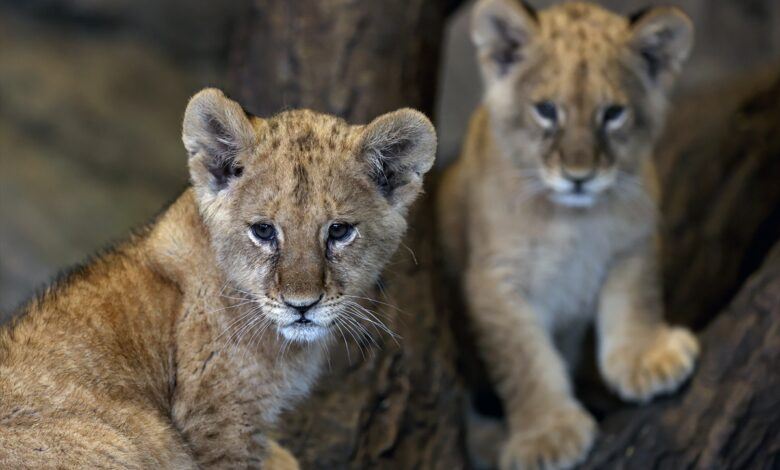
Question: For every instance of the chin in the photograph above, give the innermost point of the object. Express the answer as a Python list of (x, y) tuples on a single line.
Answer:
[(299, 333), (573, 199)]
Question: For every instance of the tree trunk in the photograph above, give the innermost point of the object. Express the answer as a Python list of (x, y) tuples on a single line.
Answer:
[(351, 58), (719, 167), (397, 407)]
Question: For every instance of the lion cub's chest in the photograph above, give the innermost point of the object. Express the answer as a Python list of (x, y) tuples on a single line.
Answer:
[(562, 262)]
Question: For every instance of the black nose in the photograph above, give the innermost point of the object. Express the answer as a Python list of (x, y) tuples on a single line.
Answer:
[(302, 306), (579, 181)]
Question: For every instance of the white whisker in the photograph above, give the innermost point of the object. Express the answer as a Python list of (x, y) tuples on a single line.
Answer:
[(375, 301), (411, 252), (348, 328), (367, 315)]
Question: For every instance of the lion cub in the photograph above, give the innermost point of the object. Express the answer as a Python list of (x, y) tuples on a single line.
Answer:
[(550, 213), (180, 347)]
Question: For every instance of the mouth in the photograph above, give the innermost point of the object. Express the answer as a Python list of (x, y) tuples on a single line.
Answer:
[(303, 330), (573, 198)]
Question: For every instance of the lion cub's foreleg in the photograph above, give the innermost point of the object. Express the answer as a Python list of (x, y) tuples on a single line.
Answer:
[(548, 427), (640, 356), (279, 458)]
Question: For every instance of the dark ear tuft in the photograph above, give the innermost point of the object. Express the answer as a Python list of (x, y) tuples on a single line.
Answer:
[(215, 132), (501, 30), (399, 148), (663, 38)]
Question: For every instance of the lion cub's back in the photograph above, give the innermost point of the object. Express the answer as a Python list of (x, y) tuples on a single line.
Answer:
[(70, 362)]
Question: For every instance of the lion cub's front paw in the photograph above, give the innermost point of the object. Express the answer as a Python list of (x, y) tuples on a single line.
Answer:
[(561, 440), (279, 458), (660, 367)]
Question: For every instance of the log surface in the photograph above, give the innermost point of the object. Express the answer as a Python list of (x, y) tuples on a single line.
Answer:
[(719, 167), (354, 59)]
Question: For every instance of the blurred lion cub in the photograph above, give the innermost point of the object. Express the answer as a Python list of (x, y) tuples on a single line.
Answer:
[(550, 213)]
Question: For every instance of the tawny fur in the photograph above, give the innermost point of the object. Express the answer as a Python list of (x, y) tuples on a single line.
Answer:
[(535, 270), (166, 352)]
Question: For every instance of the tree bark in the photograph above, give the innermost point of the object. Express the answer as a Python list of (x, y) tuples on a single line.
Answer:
[(351, 58), (719, 167), (400, 405)]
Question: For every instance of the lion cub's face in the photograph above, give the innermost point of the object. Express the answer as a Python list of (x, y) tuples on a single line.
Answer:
[(576, 94), (303, 209)]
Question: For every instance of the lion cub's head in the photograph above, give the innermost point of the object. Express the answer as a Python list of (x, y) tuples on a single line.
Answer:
[(303, 209), (576, 94)]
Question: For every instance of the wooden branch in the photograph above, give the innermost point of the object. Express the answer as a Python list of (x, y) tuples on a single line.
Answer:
[(720, 171)]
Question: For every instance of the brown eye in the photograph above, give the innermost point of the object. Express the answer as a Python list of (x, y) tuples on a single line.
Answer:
[(339, 232), (263, 232)]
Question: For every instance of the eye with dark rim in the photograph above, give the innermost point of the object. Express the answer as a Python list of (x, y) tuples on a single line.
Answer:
[(547, 110), (263, 232), (612, 113), (339, 231)]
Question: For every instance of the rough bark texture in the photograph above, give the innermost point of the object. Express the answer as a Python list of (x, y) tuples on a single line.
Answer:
[(397, 407), (729, 416), (351, 58), (720, 171)]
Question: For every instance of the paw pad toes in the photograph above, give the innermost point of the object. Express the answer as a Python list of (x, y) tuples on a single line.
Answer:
[(656, 370), (563, 442)]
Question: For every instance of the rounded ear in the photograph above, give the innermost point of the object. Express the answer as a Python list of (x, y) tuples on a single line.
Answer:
[(663, 38), (216, 130), (501, 31), (398, 148)]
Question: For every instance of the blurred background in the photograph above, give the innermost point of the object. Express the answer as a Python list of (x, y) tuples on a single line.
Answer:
[(92, 93)]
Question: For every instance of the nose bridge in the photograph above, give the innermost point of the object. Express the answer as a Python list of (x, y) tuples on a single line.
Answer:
[(578, 149), (301, 269)]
